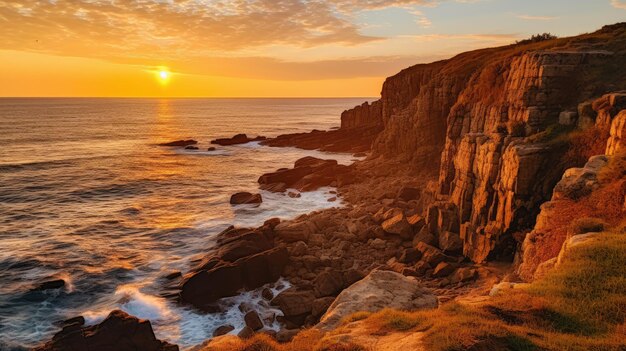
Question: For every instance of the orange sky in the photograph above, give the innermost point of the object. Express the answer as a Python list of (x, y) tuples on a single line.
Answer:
[(257, 48)]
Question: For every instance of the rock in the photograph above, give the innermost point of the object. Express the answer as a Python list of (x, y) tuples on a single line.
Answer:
[(237, 139), (359, 154), (253, 321), (267, 294), (421, 268), (211, 149), (398, 225), (286, 335), (578, 182), (424, 236), (180, 143), (328, 283), (443, 269), (320, 306), (568, 118), (223, 330), (332, 199), (294, 303), (430, 254), (309, 173), (294, 195), (246, 333), (173, 275), (463, 274), (50, 284), (293, 231), (299, 249), (409, 255), (617, 135), (408, 194), (190, 147), (245, 198), (450, 243), (227, 278), (119, 331), (378, 244), (380, 289)]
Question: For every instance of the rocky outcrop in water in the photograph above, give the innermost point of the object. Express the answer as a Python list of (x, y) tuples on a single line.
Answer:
[(119, 331), (308, 174), (236, 140)]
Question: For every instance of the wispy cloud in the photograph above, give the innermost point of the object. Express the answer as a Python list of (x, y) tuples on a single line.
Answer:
[(537, 18), (619, 4)]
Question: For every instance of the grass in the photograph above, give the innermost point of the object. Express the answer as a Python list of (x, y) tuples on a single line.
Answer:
[(579, 306)]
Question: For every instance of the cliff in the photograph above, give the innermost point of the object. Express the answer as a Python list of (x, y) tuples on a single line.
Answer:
[(495, 124)]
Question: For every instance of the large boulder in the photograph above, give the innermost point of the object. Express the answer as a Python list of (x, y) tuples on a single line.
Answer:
[(308, 174), (227, 278), (450, 242), (398, 225), (180, 143), (293, 231), (295, 305), (245, 198), (380, 289), (237, 139), (119, 331), (579, 182)]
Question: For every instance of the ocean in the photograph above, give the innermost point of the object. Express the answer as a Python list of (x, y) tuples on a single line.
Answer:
[(87, 195)]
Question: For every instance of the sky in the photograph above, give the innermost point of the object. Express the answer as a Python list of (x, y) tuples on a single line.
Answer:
[(258, 48)]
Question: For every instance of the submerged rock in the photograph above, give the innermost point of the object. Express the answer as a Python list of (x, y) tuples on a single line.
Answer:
[(180, 143), (50, 284)]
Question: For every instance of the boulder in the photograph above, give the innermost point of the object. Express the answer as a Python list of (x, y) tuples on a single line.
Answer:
[(378, 290), (119, 331), (223, 330), (180, 143), (293, 231), (246, 333), (409, 255), (579, 182), (328, 283), (398, 225), (245, 198), (320, 306), (443, 269), (237, 139), (430, 254), (253, 321), (408, 194), (294, 303), (450, 243), (227, 278), (463, 274), (191, 147)]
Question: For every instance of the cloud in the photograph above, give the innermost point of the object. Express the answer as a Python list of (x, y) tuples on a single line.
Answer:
[(619, 4), (537, 18)]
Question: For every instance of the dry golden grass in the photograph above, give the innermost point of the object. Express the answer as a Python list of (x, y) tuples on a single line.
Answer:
[(579, 306)]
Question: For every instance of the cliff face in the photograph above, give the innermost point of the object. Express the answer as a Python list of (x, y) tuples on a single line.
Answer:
[(491, 121)]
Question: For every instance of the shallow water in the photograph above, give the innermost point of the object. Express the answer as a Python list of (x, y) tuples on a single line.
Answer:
[(86, 195)]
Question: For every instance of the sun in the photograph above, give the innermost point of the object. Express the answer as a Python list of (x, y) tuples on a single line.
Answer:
[(164, 74)]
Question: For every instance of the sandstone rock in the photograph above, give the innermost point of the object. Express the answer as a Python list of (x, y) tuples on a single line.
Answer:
[(286, 335), (378, 244), (578, 182), (408, 194), (443, 269), (246, 333), (245, 198), (293, 231), (294, 303), (321, 305), (210, 149), (191, 147), (398, 225), (424, 236), (119, 331), (463, 274), (299, 249), (380, 289), (450, 242), (328, 283), (223, 330), (617, 138), (253, 321), (430, 254), (409, 255)]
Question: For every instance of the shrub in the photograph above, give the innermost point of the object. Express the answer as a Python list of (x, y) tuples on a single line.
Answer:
[(615, 169), (587, 225), (537, 38)]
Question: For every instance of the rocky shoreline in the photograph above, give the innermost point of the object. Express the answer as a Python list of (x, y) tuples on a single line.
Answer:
[(462, 153)]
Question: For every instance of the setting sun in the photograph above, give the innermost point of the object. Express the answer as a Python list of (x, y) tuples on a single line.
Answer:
[(164, 75)]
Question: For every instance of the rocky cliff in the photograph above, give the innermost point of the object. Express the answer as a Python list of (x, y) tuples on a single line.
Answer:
[(495, 123)]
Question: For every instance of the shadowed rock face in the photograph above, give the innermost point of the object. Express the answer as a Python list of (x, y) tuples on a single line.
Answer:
[(119, 331)]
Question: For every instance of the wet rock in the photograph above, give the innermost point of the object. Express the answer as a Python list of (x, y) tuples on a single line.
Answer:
[(223, 330), (190, 147), (245, 198), (119, 331), (286, 335), (246, 333), (294, 303), (173, 275), (237, 139), (211, 149), (253, 321), (328, 283), (380, 289), (180, 143), (267, 294), (309, 173), (50, 284)]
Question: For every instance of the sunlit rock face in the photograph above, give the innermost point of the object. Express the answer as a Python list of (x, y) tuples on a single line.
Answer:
[(487, 121)]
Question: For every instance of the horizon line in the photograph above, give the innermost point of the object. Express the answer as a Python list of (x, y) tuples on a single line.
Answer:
[(189, 97)]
